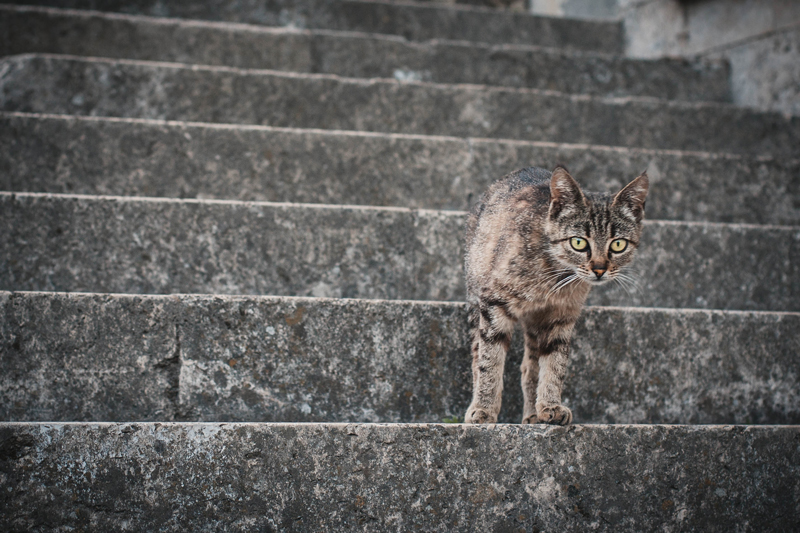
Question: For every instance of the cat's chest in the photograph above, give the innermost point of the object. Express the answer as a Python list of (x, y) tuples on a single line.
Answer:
[(562, 306)]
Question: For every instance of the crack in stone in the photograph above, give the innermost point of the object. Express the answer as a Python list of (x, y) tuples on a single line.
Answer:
[(172, 368)]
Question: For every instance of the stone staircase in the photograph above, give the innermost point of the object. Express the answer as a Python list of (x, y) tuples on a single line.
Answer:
[(230, 274)]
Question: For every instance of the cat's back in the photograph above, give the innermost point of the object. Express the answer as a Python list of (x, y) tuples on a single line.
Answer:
[(525, 191), (504, 229)]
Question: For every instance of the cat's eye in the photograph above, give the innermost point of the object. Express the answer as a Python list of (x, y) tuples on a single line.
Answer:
[(578, 243), (619, 245)]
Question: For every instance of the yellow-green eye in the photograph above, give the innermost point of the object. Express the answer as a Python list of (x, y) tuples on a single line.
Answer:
[(619, 245), (578, 243)]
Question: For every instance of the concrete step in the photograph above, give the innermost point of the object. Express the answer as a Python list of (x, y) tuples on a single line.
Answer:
[(337, 477), (122, 88), (44, 30), (414, 22), (118, 244), (100, 357), (153, 158)]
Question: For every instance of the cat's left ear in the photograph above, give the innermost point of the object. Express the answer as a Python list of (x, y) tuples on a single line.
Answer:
[(632, 197)]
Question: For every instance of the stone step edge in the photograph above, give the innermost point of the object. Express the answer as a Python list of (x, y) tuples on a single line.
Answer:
[(103, 357), (42, 83), (431, 6), (384, 135), (546, 430), (456, 6), (283, 30), (432, 477), (87, 243), (608, 100), (344, 207), (371, 301), (417, 21)]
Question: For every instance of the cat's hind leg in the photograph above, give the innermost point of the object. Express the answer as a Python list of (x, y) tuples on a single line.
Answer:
[(530, 379), (490, 328)]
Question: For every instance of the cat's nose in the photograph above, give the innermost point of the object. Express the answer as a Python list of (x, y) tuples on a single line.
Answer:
[(599, 272)]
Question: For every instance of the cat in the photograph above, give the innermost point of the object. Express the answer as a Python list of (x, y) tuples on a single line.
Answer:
[(535, 246)]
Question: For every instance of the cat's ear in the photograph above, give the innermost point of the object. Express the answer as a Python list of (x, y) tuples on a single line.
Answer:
[(565, 193), (632, 197)]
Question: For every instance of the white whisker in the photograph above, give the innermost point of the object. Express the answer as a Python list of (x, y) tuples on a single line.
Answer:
[(629, 282), (561, 284), (554, 277), (554, 274), (622, 283)]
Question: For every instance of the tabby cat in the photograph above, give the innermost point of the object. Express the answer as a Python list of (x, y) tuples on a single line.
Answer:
[(536, 245)]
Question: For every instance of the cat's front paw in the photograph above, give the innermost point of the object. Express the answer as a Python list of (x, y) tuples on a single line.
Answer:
[(479, 416), (531, 419), (554, 414)]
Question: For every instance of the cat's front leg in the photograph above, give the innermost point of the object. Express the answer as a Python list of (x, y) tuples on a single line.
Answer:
[(491, 335), (552, 370)]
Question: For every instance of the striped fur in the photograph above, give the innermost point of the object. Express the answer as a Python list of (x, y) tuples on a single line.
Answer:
[(522, 268)]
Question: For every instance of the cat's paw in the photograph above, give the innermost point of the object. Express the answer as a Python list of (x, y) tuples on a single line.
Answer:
[(531, 419), (554, 414), (479, 416)]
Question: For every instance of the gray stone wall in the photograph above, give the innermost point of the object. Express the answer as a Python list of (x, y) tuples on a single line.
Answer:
[(595, 9), (760, 39), (765, 73), (658, 28)]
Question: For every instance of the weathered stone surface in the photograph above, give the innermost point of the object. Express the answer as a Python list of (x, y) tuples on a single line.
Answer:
[(415, 22), (668, 28), (104, 358), (715, 266), (696, 367), (150, 158), (41, 30), (765, 73), (122, 88), (116, 244), (161, 246), (326, 477), (760, 40), (128, 357), (212, 358)]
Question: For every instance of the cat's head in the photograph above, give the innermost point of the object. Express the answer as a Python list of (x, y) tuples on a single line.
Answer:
[(594, 235)]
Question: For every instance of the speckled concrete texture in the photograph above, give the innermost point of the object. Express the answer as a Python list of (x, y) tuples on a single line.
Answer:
[(104, 358), (414, 22), (133, 245), (214, 358), (327, 477), (82, 86), (288, 366), (27, 30), (162, 246), (88, 155)]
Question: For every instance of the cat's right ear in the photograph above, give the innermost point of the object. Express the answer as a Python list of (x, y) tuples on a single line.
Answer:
[(565, 193)]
